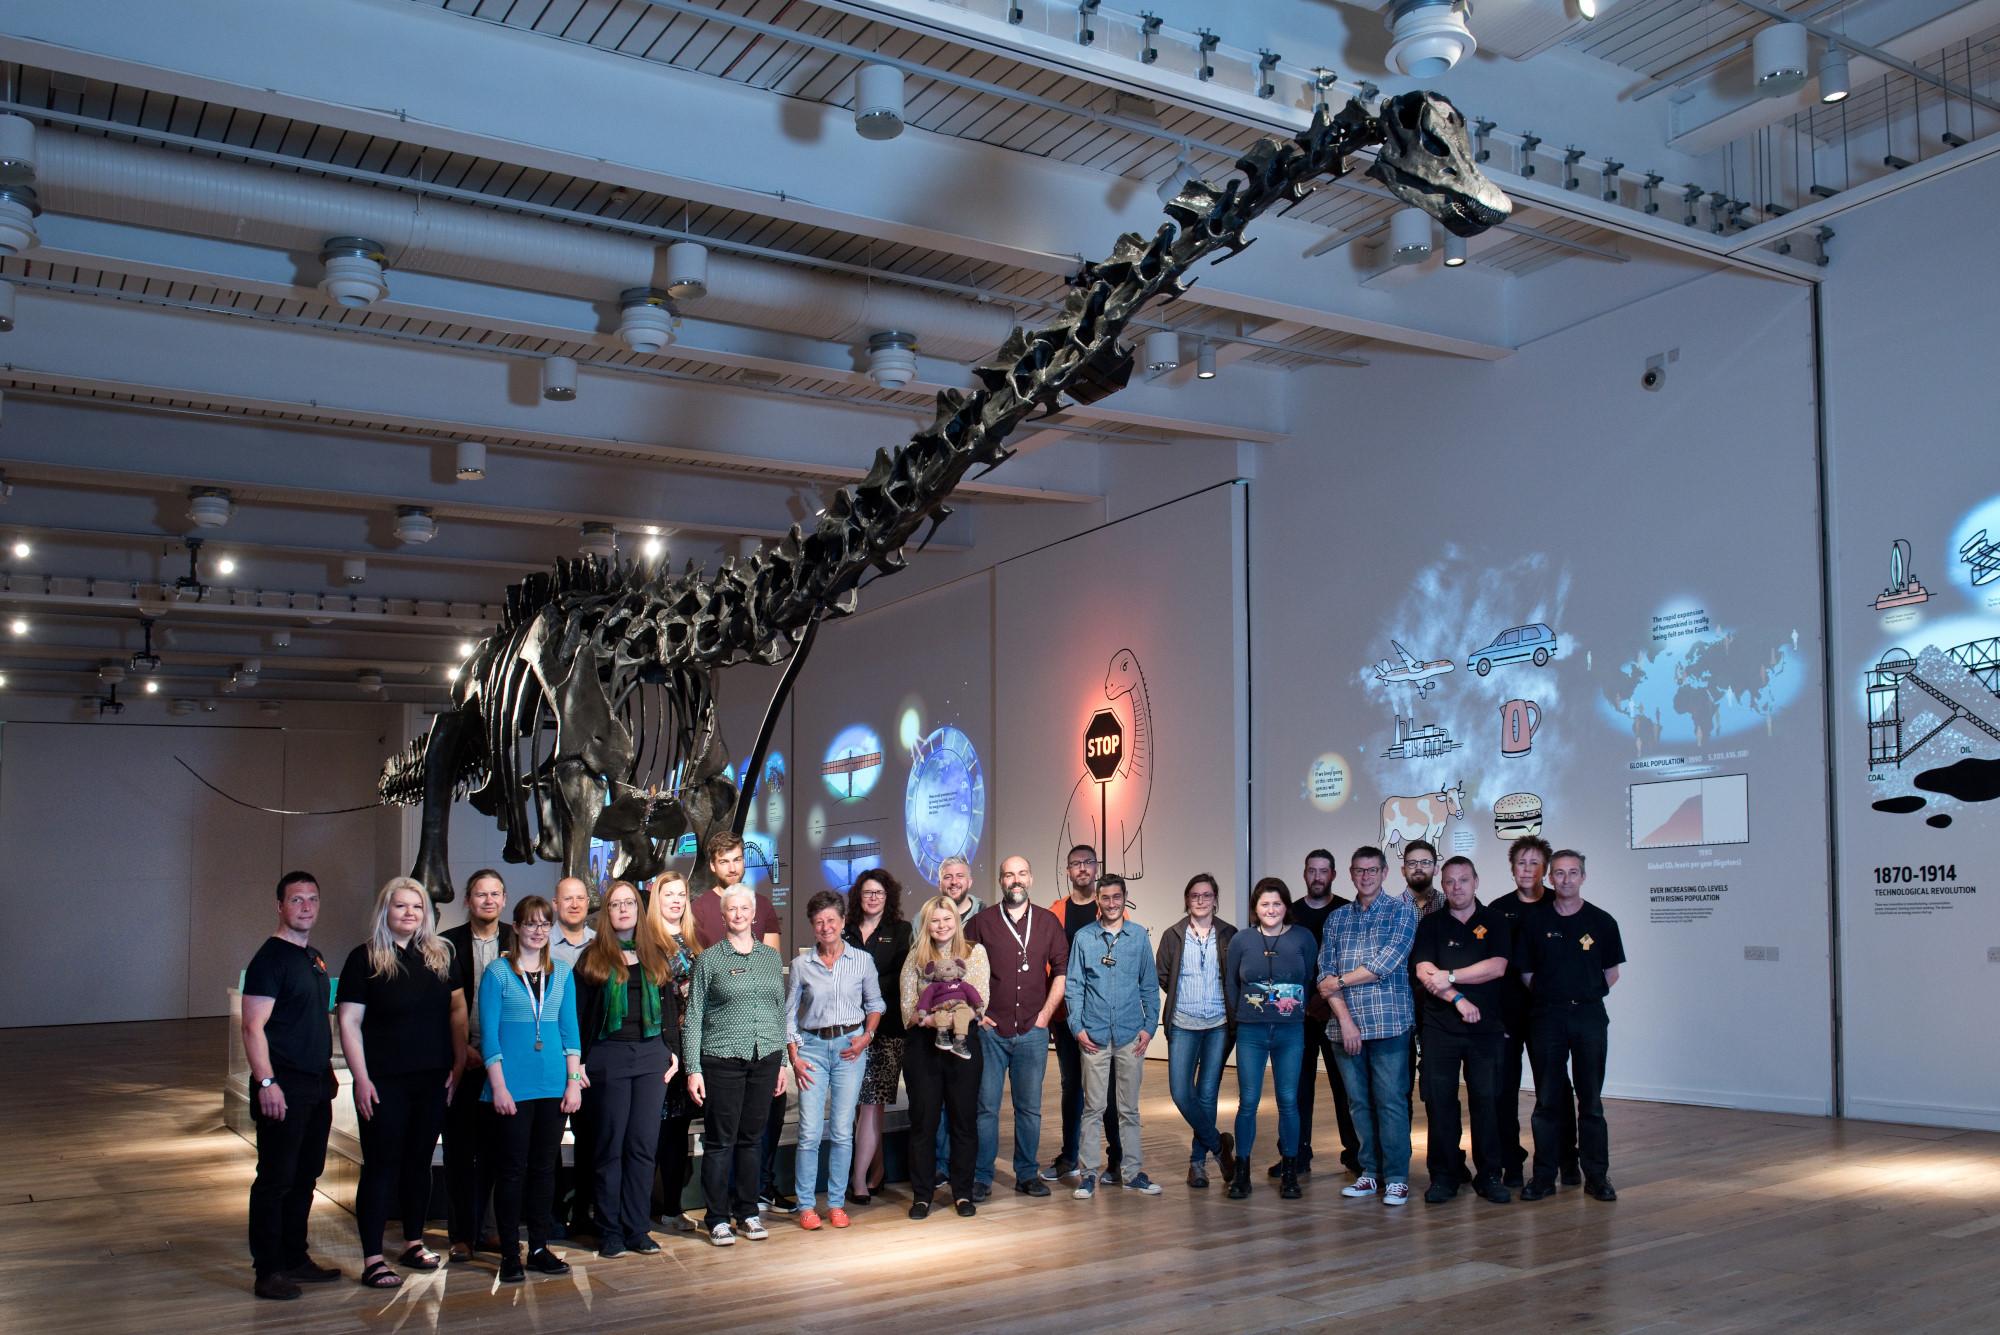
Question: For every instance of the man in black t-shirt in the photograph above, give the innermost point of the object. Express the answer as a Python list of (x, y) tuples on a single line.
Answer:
[(1311, 913), (1459, 960), (1076, 911), (287, 1038), (1568, 953), (1528, 860)]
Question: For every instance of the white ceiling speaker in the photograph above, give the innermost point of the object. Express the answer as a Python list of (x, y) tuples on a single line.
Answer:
[(368, 680), (6, 308), (1429, 36), (645, 319), (110, 674), (1454, 251), (1409, 236), (892, 358), (415, 525), (599, 540), (1163, 351), (180, 707), (687, 271), (878, 102), (1778, 52), (351, 271), (210, 507), (1832, 81), (18, 210), (17, 150), (353, 570), (559, 379), (471, 462)]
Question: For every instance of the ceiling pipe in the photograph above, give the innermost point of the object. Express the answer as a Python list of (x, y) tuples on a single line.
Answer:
[(147, 187)]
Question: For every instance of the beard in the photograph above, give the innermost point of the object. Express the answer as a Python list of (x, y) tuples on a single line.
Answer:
[(1419, 885), (1016, 896)]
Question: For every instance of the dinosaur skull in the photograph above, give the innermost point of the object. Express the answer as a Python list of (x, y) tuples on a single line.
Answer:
[(1426, 161)]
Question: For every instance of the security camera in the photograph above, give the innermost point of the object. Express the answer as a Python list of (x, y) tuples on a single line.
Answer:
[(1653, 378)]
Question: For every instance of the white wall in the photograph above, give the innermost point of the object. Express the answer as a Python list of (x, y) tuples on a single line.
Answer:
[(1908, 346), (1447, 502)]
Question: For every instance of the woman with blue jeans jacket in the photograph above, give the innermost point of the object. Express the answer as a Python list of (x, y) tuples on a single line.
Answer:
[(1268, 977), (1189, 961)]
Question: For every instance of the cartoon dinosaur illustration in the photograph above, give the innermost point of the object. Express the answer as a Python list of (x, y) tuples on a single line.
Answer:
[(1130, 789)]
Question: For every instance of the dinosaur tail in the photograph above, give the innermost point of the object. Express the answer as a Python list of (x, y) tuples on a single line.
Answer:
[(402, 781)]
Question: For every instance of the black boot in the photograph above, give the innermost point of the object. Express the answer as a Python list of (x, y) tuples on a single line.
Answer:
[(1239, 1185), (1288, 1180)]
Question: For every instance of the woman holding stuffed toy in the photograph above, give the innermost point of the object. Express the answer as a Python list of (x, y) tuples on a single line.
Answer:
[(1266, 980), (945, 983)]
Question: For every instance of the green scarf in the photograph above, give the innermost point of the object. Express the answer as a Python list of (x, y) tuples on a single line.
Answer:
[(614, 1003)]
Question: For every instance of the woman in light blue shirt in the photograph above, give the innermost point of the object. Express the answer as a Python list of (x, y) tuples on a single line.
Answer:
[(1197, 1020)]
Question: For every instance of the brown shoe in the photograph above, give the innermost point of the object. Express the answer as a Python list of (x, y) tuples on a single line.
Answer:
[(1225, 1154), (277, 1287), (1197, 1175)]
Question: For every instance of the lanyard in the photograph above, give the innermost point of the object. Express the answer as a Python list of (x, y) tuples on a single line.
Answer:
[(537, 998), (1021, 937), (1201, 945)]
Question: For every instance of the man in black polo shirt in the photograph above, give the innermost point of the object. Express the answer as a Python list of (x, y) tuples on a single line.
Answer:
[(1568, 953), (1528, 860), (1459, 959), (286, 1036), (1311, 913)]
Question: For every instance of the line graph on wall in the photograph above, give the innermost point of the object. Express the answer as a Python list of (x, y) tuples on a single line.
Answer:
[(1687, 813)]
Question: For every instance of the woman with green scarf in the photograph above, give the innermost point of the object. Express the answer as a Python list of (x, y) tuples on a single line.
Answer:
[(629, 1018)]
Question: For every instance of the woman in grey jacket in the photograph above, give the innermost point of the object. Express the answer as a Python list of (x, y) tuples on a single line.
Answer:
[(1197, 1020)]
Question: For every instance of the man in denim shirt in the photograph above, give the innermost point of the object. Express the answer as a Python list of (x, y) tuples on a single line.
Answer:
[(1113, 993), (1363, 965)]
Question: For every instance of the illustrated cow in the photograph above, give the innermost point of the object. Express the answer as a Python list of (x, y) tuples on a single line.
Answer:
[(1407, 819)]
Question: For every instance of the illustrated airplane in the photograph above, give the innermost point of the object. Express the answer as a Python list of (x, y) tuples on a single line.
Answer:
[(1412, 670)]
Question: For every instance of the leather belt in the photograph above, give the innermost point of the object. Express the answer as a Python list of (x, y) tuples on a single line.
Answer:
[(832, 1031)]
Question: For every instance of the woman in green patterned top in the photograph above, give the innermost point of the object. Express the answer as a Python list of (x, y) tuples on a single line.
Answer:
[(735, 1044)]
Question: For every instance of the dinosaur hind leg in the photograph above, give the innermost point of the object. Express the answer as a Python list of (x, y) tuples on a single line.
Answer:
[(441, 764)]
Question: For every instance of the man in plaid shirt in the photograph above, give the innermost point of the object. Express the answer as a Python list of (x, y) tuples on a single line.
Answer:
[(1364, 975)]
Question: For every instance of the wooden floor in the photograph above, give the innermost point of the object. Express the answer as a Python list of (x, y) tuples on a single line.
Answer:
[(123, 1200)]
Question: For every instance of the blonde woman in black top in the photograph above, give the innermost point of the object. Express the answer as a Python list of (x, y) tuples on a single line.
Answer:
[(396, 1033)]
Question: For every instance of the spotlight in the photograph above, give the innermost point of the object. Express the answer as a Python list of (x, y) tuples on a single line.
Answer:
[(451, 673), (1454, 251), (209, 507), (655, 548), (645, 320), (18, 210), (352, 271), (1163, 351), (354, 569), (687, 271), (1586, 9), (1169, 188), (466, 648), (19, 625), (878, 102), (17, 151), (599, 540), (1409, 236), (559, 379), (1833, 75), (892, 359), (6, 308), (22, 549), (471, 461), (414, 525), (152, 688), (1430, 36), (3, 679), (1779, 50), (1204, 361), (281, 639), (226, 566)]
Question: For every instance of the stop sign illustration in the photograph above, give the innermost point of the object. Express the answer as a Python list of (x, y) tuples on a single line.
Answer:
[(1103, 745)]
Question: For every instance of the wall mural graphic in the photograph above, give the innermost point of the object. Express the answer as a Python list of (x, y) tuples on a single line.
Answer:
[(944, 805), (1120, 800), (1424, 816)]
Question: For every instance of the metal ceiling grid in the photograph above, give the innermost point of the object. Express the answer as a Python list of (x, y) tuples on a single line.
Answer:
[(1974, 63)]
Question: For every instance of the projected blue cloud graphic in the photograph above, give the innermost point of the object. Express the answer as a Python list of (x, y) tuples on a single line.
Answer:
[(944, 806), (853, 763)]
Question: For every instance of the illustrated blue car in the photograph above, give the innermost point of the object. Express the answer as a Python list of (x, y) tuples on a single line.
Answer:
[(1536, 643)]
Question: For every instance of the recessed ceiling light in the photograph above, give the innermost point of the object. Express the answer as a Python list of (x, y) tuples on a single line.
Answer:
[(152, 688), (226, 566), (19, 625), (465, 648), (21, 549)]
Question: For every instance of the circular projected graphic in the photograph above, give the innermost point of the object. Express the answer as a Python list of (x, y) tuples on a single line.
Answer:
[(848, 857), (1328, 781), (944, 808), (853, 763)]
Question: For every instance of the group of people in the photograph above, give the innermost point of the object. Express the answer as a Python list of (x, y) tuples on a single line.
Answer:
[(495, 1035)]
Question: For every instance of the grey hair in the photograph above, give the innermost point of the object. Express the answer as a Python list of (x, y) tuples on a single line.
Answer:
[(739, 889)]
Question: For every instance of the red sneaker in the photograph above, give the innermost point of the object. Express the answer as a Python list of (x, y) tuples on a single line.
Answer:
[(838, 1218), (808, 1219)]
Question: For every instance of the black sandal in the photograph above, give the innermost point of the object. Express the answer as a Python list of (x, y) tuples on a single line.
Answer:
[(379, 1276), (416, 1256)]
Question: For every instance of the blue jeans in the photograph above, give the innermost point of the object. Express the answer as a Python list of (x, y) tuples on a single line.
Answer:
[(1378, 1085), (1023, 1060), (1194, 1074), (1284, 1046), (833, 1094)]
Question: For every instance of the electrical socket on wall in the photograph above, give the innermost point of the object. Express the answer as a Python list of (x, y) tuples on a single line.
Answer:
[(1760, 953)]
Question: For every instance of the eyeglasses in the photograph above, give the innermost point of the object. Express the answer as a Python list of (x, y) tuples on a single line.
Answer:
[(525, 927), (1420, 864), (1078, 866), (1358, 872), (1201, 894)]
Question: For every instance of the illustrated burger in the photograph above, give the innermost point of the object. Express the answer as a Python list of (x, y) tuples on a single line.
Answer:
[(1516, 815)]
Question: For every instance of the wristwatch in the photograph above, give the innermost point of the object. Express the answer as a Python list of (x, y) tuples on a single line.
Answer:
[(1451, 976), (267, 1082)]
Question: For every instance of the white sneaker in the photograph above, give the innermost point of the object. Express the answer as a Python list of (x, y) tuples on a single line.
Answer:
[(753, 1228), (1361, 1186), (722, 1235), (1396, 1193)]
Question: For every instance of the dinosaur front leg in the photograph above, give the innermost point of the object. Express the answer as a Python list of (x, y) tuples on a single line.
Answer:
[(583, 795)]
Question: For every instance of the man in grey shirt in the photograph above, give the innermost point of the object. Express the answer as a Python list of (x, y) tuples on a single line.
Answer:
[(573, 929), (831, 1010)]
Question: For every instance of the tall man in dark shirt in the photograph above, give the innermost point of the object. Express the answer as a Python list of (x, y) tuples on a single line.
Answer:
[(1028, 955), (1310, 913), (1076, 911), (471, 1138), (1568, 953), (1459, 959), (286, 996), (1528, 861)]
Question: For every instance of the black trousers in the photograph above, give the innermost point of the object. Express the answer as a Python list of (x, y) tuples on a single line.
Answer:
[(290, 1156), (576, 1185), (1320, 1048), (1069, 1064), (947, 1086), (469, 1157), (1568, 1045), (524, 1183), (396, 1145), (1478, 1055), (1512, 1051), (767, 1151), (674, 1161), (628, 1088), (736, 1107)]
